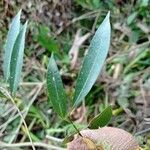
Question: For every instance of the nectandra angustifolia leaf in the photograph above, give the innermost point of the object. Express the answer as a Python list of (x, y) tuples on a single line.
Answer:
[(93, 61), (56, 92), (11, 38), (17, 59), (102, 119)]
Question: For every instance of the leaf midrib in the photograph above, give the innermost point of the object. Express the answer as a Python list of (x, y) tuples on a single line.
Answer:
[(57, 97), (87, 78)]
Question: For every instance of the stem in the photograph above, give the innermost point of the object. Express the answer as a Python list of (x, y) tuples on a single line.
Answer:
[(22, 119), (142, 132), (28, 83), (29, 128), (75, 126), (54, 139)]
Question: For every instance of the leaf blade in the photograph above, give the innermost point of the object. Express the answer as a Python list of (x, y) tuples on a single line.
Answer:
[(11, 38), (56, 92), (93, 61), (17, 60), (101, 119)]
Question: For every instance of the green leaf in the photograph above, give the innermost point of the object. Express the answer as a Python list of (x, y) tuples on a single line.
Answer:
[(47, 41), (131, 18), (68, 139), (93, 61), (144, 3), (11, 38), (102, 119), (2, 93), (17, 59), (56, 90)]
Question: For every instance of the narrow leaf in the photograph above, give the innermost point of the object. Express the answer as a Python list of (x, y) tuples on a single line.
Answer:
[(68, 139), (3, 93), (11, 38), (17, 59), (56, 90), (93, 61), (102, 119)]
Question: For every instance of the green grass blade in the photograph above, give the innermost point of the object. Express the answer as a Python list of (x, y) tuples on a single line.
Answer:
[(11, 38), (93, 61), (17, 59), (56, 90), (102, 119)]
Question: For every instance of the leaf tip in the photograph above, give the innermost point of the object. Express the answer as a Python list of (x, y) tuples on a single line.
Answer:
[(20, 11), (52, 55), (107, 16), (19, 14), (25, 25)]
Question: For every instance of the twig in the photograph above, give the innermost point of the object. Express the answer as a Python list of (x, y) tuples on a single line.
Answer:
[(31, 83), (142, 132), (55, 130), (129, 53), (143, 27), (54, 139), (123, 28), (78, 41), (145, 95), (11, 118), (30, 127), (91, 14), (28, 106), (37, 144), (117, 71), (28, 83), (9, 96), (95, 22), (10, 110), (41, 69)]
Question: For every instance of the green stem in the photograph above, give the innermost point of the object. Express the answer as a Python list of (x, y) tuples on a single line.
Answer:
[(75, 126)]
